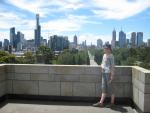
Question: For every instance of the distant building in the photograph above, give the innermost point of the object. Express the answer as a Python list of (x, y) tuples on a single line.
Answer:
[(139, 39), (75, 40), (99, 44), (113, 41), (58, 43), (44, 42), (148, 42), (133, 39), (37, 32), (1, 45), (12, 37), (19, 42), (6, 44), (122, 39), (30, 45)]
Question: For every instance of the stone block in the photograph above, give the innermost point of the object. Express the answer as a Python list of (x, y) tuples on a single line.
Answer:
[(9, 86), (22, 68), (98, 89), (122, 79), (92, 70), (84, 89), (40, 76), (10, 68), (2, 76), (128, 90), (39, 69), (66, 78), (141, 100), (52, 69), (66, 89), (90, 78), (22, 76), (136, 95), (10, 76), (2, 88), (70, 70), (147, 78), (49, 88), (147, 103), (25, 87)]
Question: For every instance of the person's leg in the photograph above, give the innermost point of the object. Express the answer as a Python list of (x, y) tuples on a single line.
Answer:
[(103, 98), (112, 99)]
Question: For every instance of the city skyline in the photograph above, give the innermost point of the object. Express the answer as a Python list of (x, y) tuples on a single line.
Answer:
[(90, 21)]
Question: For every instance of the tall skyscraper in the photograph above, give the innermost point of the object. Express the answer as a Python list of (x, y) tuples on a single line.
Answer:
[(1, 44), (75, 40), (148, 42), (37, 32), (122, 39), (99, 44), (133, 39), (113, 41), (12, 36), (6, 44), (139, 39)]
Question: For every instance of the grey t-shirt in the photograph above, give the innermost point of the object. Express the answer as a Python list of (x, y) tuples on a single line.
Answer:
[(108, 63)]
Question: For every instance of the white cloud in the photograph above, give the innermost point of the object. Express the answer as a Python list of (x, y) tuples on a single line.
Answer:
[(70, 23), (119, 9), (45, 7)]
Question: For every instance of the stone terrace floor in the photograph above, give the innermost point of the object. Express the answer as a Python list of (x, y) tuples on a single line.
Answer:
[(30, 106)]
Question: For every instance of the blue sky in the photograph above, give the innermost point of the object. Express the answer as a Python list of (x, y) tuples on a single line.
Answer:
[(88, 19)]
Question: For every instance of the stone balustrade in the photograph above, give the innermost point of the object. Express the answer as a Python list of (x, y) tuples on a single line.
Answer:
[(74, 81)]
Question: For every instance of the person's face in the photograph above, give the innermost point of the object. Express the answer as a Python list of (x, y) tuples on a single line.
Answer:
[(106, 50)]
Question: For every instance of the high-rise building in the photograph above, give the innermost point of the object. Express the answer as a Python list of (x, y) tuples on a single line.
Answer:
[(6, 44), (58, 43), (37, 32), (113, 41), (122, 39), (148, 42), (133, 39), (19, 42), (139, 39), (75, 40), (99, 44), (12, 37), (1, 44)]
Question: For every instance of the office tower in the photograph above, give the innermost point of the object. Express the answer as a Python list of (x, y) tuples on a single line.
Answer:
[(133, 39), (75, 40), (12, 37), (58, 43), (37, 32), (19, 42), (0, 44), (99, 44), (6, 44), (113, 41), (139, 39), (122, 39), (148, 42)]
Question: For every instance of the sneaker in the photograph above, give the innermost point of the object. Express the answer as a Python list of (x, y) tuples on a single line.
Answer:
[(98, 104)]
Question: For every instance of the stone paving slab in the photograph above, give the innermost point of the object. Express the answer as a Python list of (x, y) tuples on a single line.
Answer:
[(23, 106)]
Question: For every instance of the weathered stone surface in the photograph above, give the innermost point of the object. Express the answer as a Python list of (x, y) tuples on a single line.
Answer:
[(25, 87), (10, 76), (136, 96), (9, 87), (39, 69), (84, 89), (22, 68), (10, 68), (2, 88), (146, 103), (98, 89), (90, 78), (118, 89), (141, 100), (66, 89), (92, 70), (66, 78), (22, 76), (40, 76), (127, 90), (49, 88)]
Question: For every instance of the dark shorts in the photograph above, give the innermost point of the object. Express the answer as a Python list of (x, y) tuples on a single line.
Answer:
[(106, 85)]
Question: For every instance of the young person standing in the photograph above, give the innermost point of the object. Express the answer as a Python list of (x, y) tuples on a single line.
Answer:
[(107, 76)]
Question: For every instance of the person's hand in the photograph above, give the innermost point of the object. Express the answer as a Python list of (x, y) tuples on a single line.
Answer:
[(111, 78)]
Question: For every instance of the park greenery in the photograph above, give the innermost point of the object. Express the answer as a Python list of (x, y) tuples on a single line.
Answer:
[(127, 56), (44, 55)]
